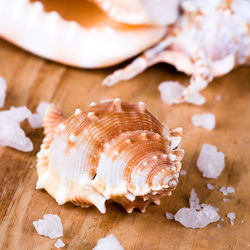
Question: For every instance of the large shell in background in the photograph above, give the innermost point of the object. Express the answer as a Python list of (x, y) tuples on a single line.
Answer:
[(209, 39), (74, 32), (161, 12), (110, 151)]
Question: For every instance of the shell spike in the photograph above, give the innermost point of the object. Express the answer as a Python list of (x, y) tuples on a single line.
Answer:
[(175, 137), (142, 106), (117, 104), (92, 116)]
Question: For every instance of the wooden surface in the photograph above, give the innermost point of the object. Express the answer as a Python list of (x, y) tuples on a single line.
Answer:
[(31, 80)]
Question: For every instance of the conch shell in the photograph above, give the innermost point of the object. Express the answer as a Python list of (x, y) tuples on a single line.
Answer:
[(110, 151), (208, 40), (77, 32)]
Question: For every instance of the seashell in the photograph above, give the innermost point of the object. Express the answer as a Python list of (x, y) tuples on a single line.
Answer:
[(109, 151), (139, 12), (201, 44), (74, 32)]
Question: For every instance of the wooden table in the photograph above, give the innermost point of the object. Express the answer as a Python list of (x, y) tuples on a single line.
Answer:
[(32, 79)]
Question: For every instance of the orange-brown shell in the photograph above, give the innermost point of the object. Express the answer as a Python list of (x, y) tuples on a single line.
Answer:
[(110, 151)]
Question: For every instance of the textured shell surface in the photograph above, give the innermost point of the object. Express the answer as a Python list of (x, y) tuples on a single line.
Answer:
[(110, 151), (75, 32), (209, 39)]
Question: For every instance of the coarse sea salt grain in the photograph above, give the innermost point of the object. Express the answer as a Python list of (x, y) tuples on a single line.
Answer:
[(59, 244), (197, 219), (170, 91), (226, 200), (231, 216), (194, 200), (11, 134), (205, 120), (3, 88), (169, 216), (218, 226), (210, 186), (210, 162), (183, 172), (227, 190), (50, 226), (108, 243), (36, 120), (197, 216)]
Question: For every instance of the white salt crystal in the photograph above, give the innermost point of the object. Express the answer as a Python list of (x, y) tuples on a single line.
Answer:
[(50, 226), (227, 190), (11, 134), (191, 218), (218, 97), (226, 200), (205, 205), (108, 243), (218, 226), (210, 186), (230, 190), (59, 244), (197, 216), (206, 120), (231, 216), (36, 120), (194, 200), (183, 172), (3, 88), (170, 91), (223, 190), (222, 219), (31, 166), (210, 162), (169, 216)]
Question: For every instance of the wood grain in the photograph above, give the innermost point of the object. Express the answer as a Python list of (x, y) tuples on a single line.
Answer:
[(31, 80)]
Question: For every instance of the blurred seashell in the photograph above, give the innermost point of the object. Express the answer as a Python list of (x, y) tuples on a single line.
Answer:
[(162, 12), (110, 151), (208, 40), (73, 32)]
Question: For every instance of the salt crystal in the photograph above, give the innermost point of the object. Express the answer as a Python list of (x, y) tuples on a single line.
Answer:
[(183, 172), (170, 91), (197, 216), (36, 120), (108, 243), (3, 88), (194, 200), (223, 190), (11, 134), (226, 200), (210, 186), (197, 219), (31, 166), (222, 219), (206, 120), (231, 216), (218, 97), (218, 226), (59, 244), (230, 190), (210, 162), (227, 190), (169, 216), (50, 226)]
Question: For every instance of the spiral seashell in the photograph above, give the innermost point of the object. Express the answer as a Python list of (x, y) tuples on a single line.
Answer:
[(110, 151)]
